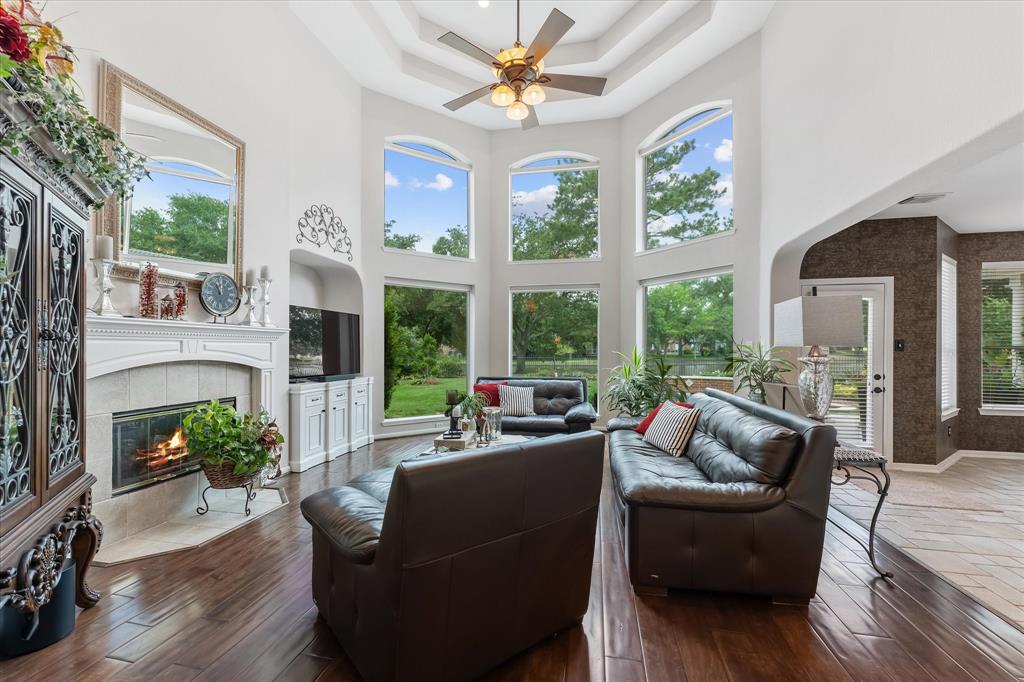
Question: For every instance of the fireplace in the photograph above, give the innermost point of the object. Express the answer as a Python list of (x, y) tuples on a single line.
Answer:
[(149, 447)]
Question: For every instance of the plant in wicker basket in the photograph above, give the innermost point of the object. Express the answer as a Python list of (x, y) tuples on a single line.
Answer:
[(232, 448)]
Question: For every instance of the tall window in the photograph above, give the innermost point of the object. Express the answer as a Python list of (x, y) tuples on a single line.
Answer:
[(687, 175), (1002, 335), (554, 333), (426, 200), (555, 209), (948, 337), (183, 211), (689, 323), (425, 348)]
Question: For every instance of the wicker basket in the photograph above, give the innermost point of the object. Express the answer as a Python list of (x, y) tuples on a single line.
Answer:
[(222, 476)]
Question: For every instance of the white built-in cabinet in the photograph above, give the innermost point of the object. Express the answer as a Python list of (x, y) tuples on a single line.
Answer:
[(329, 419)]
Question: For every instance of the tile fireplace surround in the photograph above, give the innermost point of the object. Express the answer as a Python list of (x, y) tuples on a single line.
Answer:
[(135, 364)]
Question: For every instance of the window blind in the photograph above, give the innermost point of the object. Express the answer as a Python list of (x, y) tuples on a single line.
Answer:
[(1002, 334), (947, 351), (852, 410)]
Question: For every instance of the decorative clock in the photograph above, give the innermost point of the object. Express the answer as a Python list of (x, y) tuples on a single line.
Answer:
[(219, 295)]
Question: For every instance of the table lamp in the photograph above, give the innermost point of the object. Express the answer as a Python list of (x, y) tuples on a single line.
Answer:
[(818, 322)]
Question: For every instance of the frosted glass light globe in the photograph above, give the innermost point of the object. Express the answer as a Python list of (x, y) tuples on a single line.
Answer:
[(534, 94), (503, 95), (517, 111)]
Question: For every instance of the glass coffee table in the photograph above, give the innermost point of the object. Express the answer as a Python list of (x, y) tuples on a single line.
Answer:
[(428, 448)]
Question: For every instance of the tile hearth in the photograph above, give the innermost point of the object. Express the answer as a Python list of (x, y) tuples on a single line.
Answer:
[(190, 530)]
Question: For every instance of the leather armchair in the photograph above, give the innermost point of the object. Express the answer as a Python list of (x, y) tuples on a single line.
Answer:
[(462, 561), (561, 406), (742, 511)]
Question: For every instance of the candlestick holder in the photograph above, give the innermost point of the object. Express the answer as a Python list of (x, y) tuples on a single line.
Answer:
[(265, 301), (250, 306), (103, 305)]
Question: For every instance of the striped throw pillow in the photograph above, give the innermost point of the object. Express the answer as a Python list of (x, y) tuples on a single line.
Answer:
[(672, 429), (516, 401)]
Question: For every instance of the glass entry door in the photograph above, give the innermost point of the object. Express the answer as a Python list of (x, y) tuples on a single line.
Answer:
[(858, 408)]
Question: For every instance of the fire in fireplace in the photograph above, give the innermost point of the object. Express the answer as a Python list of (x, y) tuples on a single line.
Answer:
[(149, 446)]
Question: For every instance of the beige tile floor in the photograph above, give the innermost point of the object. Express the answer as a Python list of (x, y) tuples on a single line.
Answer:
[(974, 536), (192, 530)]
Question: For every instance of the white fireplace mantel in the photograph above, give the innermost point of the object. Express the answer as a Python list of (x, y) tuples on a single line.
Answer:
[(117, 343)]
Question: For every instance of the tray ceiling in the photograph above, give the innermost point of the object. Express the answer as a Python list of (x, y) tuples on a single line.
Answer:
[(642, 47)]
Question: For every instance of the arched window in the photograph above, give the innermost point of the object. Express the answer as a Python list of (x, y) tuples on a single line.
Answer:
[(426, 198), (554, 208), (687, 180)]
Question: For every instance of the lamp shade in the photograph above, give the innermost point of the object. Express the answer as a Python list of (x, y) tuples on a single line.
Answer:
[(820, 321)]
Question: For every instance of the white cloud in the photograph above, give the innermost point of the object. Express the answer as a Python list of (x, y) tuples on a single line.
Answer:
[(724, 201), (390, 180), (441, 183), (723, 152), (534, 200)]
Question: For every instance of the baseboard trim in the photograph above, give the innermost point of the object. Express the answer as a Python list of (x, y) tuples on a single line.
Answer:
[(953, 459)]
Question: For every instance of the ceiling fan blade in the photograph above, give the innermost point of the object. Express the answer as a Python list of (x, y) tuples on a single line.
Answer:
[(468, 98), (555, 26), (530, 121), (590, 85), (459, 43)]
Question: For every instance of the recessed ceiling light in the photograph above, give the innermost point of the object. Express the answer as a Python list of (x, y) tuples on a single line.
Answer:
[(483, 3)]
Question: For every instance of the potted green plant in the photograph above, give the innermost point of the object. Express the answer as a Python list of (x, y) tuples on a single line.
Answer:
[(753, 365), (472, 406), (639, 384), (231, 448)]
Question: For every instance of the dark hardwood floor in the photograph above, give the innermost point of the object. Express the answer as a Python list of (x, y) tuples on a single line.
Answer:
[(241, 608)]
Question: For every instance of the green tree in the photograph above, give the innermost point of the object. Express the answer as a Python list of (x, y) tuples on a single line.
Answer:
[(680, 206), (194, 226), (399, 241), (691, 317), (391, 347), (455, 242), (544, 321), (568, 229)]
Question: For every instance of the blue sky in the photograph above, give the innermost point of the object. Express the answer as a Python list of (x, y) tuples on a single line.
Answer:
[(532, 192), (153, 191), (424, 197)]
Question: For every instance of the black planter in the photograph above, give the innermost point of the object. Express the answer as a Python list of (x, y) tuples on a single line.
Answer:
[(56, 620)]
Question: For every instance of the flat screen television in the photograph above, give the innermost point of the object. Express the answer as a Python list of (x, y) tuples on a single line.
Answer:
[(322, 344)]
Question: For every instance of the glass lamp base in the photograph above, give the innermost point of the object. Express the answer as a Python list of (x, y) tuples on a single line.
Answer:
[(816, 385)]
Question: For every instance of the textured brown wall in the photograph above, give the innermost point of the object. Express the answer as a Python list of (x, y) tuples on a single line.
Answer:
[(905, 249), (978, 432)]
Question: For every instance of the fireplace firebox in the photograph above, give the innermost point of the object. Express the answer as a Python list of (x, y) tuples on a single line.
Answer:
[(149, 446)]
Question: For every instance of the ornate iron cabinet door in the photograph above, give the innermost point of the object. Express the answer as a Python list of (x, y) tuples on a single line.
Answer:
[(60, 345), (19, 210)]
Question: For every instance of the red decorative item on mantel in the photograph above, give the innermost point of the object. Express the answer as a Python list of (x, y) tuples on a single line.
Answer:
[(180, 301), (149, 305)]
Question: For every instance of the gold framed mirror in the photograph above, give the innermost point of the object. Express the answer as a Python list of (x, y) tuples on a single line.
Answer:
[(187, 216)]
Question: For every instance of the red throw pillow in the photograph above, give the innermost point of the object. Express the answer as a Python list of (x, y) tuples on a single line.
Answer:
[(494, 400), (642, 427)]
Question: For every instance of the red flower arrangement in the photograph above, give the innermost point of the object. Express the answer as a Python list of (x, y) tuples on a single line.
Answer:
[(13, 39)]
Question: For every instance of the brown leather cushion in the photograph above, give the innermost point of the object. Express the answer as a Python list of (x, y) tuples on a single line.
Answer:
[(349, 518), (648, 476), (731, 445)]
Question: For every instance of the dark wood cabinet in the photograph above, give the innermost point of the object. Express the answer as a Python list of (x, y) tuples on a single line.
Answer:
[(45, 501)]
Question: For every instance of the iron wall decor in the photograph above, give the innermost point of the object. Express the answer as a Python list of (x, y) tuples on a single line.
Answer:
[(319, 225)]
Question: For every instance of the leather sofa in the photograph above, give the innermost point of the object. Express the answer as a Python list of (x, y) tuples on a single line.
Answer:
[(447, 565), (742, 511), (560, 403)]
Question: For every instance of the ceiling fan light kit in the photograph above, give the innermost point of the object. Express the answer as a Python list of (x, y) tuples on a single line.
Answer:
[(520, 71)]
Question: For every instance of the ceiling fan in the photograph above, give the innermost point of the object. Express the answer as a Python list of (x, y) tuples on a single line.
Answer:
[(520, 71)]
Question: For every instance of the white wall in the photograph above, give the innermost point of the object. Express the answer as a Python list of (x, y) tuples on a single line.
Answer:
[(866, 103), (252, 69), (385, 118)]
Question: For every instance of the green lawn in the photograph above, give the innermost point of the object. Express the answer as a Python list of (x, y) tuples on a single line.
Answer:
[(415, 400)]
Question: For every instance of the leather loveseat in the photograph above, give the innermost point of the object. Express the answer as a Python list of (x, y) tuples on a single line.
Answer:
[(560, 404), (445, 566), (742, 511)]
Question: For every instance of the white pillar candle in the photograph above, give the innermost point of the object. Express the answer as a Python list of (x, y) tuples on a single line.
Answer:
[(105, 247), (250, 278), (265, 272)]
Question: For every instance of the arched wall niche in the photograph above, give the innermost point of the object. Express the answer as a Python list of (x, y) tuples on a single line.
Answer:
[(320, 282)]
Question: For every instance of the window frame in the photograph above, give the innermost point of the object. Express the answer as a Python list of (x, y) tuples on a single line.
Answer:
[(554, 288), (459, 161), (948, 355), (470, 291), (653, 143), (231, 182), (586, 162), (991, 409), (641, 296)]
